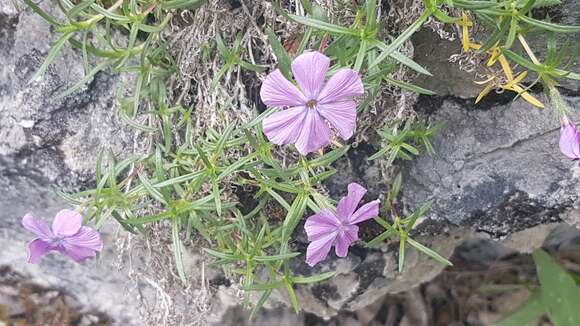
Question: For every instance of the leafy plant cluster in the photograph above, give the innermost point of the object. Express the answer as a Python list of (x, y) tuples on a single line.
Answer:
[(556, 297), (190, 183)]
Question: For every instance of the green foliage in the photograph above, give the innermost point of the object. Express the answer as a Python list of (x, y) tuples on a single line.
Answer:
[(232, 57), (359, 45), (401, 227), (557, 296), (187, 188), (405, 142), (508, 21), (188, 183)]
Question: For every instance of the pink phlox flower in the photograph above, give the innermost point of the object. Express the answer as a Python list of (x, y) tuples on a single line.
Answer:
[(327, 228), (309, 110), (67, 236), (569, 140)]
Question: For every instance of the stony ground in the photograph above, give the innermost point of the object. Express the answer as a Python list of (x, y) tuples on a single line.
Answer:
[(498, 182)]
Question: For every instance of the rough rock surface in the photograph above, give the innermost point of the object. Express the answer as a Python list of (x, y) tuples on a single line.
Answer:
[(46, 144), (488, 158), (497, 171)]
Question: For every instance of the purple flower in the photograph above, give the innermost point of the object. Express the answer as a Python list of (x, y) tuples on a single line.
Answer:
[(312, 107), (326, 228), (569, 140), (67, 236)]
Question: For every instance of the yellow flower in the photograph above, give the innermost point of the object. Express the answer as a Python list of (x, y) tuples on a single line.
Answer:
[(512, 84), (465, 23)]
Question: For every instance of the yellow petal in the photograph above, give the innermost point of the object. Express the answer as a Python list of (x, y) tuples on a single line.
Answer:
[(465, 39), (465, 23), (493, 54), (528, 97), (505, 66), (484, 92), (475, 46), (520, 77)]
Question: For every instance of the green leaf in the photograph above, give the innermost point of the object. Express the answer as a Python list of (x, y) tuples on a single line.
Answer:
[(260, 302), (381, 238), (263, 287), (551, 26), (151, 190), (284, 61), (429, 252), (312, 279), (402, 59), (149, 219), (126, 119), (512, 32), (329, 157), (222, 142), (292, 218), (42, 13), (409, 87), (401, 38), (396, 187), (293, 298), (182, 4), (324, 26), (526, 315), (559, 290), (216, 192), (361, 55), (401, 254), (475, 5), (276, 257), (88, 77), (177, 250), (222, 255), (522, 61), (178, 180), (51, 55), (416, 214)]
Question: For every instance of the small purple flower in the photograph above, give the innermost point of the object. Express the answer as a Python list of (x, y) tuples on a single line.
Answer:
[(312, 107), (67, 236), (569, 140), (326, 228)]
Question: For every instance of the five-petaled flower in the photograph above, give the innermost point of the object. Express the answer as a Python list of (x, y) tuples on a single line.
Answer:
[(309, 110), (327, 228), (67, 236), (569, 140)]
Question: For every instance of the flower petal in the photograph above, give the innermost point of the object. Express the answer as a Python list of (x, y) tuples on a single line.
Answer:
[(321, 224), (347, 205), (570, 141), (341, 115), (309, 70), (86, 238), (36, 249), (283, 127), (66, 223), (344, 84), (345, 239), (78, 254), (314, 134), (367, 211), (277, 91), (37, 226), (318, 250)]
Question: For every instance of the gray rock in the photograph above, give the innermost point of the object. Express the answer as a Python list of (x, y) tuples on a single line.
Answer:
[(509, 160), (48, 143)]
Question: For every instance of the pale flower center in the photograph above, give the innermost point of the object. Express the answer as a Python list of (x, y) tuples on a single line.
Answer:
[(311, 104)]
